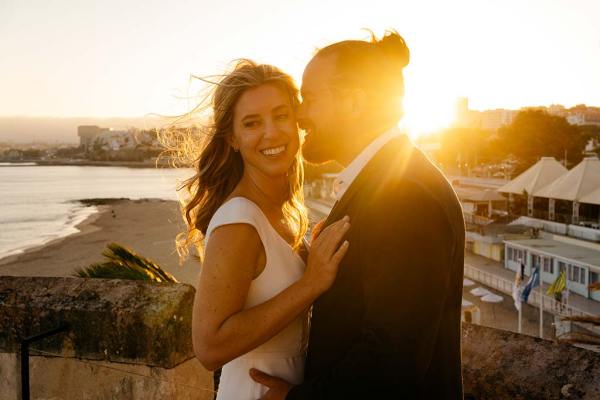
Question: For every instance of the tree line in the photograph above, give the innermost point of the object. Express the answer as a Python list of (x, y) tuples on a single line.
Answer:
[(532, 134)]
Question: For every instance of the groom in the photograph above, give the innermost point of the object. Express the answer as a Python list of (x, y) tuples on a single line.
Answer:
[(389, 327)]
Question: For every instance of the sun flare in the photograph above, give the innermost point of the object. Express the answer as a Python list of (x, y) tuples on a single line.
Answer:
[(425, 114)]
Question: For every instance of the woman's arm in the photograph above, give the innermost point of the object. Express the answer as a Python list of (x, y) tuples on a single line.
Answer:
[(221, 329)]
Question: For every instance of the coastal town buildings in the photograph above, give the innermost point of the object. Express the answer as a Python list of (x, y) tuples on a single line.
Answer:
[(494, 119), (106, 138)]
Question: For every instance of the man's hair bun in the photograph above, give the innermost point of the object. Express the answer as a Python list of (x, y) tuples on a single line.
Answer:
[(394, 47)]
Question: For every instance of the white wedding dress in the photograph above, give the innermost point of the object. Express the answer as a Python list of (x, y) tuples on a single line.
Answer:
[(284, 354)]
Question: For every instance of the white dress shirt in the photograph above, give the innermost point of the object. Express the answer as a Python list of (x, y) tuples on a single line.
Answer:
[(347, 176)]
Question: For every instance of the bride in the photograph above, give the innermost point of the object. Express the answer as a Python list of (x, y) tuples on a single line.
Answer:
[(246, 211)]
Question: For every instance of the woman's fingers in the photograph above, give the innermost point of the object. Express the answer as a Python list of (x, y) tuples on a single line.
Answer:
[(340, 253), (334, 234)]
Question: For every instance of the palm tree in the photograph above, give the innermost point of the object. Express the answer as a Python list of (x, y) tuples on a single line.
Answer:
[(124, 263)]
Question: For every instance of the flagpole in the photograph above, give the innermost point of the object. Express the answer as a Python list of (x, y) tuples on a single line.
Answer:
[(541, 304), (567, 291)]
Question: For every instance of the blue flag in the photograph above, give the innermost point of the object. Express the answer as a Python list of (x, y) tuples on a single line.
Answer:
[(534, 280)]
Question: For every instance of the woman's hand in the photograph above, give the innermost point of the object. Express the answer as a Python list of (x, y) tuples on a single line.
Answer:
[(325, 255)]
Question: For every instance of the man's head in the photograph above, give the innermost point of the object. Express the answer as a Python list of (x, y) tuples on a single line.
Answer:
[(351, 91)]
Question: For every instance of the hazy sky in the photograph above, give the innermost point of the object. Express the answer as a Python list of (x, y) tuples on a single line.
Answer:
[(126, 58)]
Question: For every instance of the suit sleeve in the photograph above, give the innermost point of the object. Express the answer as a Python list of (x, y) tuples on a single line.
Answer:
[(405, 247)]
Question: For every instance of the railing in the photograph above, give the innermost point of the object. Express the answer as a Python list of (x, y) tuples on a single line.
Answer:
[(578, 231), (474, 236), (583, 232), (548, 226), (477, 219), (506, 286)]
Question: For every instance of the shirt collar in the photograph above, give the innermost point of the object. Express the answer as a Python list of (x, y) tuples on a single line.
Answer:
[(347, 176)]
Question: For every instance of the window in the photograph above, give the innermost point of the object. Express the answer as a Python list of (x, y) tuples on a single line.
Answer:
[(548, 267), (594, 277), (577, 274), (574, 272), (536, 260), (562, 267), (510, 253)]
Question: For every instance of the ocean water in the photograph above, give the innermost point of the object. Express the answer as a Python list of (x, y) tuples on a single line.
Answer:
[(40, 203)]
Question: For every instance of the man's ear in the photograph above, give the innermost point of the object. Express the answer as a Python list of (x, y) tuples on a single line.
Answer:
[(355, 103)]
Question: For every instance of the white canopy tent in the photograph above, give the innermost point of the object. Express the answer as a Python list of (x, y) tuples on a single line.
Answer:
[(541, 174), (591, 198), (575, 184)]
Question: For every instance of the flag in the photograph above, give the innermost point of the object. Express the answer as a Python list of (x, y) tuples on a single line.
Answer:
[(559, 284), (517, 290), (534, 280)]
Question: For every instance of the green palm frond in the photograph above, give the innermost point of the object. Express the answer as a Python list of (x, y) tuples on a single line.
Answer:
[(124, 263)]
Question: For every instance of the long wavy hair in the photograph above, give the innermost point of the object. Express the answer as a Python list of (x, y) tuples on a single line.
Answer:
[(218, 168)]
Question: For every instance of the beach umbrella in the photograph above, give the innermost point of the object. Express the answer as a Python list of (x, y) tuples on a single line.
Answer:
[(492, 298), (479, 291)]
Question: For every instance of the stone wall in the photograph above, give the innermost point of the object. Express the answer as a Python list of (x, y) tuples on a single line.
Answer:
[(127, 339), (132, 340), (505, 365)]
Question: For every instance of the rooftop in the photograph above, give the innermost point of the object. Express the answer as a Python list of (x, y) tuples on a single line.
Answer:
[(562, 249)]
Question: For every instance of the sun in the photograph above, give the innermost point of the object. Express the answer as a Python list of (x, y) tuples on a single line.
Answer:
[(424, 113)]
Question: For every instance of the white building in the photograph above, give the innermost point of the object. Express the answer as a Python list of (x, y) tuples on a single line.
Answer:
[(553, 254), (116, 140)]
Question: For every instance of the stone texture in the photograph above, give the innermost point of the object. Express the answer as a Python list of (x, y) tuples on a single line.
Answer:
[(70, 378), (113, 320), (505, 365)]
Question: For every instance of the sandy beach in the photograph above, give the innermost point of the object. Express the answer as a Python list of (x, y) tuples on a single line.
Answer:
[(148, 226)]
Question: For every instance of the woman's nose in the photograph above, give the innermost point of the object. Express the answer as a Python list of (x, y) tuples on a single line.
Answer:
[(271, 129)]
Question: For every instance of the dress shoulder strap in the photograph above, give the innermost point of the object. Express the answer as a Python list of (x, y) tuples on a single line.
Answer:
[(239, 210)]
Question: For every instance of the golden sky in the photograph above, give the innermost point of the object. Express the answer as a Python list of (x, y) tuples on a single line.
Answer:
[(127, 58)]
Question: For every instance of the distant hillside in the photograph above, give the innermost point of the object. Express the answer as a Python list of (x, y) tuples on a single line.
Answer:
[(62, 130)]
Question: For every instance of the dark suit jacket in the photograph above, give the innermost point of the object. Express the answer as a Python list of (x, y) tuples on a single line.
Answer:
[(389, 327)]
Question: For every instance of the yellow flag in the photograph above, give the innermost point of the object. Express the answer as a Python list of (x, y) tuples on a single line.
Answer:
[(559, 284)]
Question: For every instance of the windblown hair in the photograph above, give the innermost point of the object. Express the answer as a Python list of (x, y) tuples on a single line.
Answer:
[(218, 168), (374, 66)]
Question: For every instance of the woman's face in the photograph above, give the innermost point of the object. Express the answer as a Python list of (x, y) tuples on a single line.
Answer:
[(265, 130)]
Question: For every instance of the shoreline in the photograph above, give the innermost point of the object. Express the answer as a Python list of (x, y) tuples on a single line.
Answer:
[(88, 163), (83, 227), (147, 226)]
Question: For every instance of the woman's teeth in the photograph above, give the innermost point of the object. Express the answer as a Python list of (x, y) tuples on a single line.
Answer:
[(273, 151)]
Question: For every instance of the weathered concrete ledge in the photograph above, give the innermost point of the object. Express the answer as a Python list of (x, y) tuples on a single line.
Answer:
[(149, 324), (505, 365), (111, 320)]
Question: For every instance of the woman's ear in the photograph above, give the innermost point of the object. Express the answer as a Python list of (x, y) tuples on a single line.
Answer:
[(232, 141)]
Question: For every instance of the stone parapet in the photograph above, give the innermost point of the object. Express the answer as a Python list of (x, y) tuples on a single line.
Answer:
[(505, 365), (110, 320), (148, 324)]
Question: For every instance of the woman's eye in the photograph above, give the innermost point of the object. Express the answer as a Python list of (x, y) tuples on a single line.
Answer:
[(251, 124), (282, 117)]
